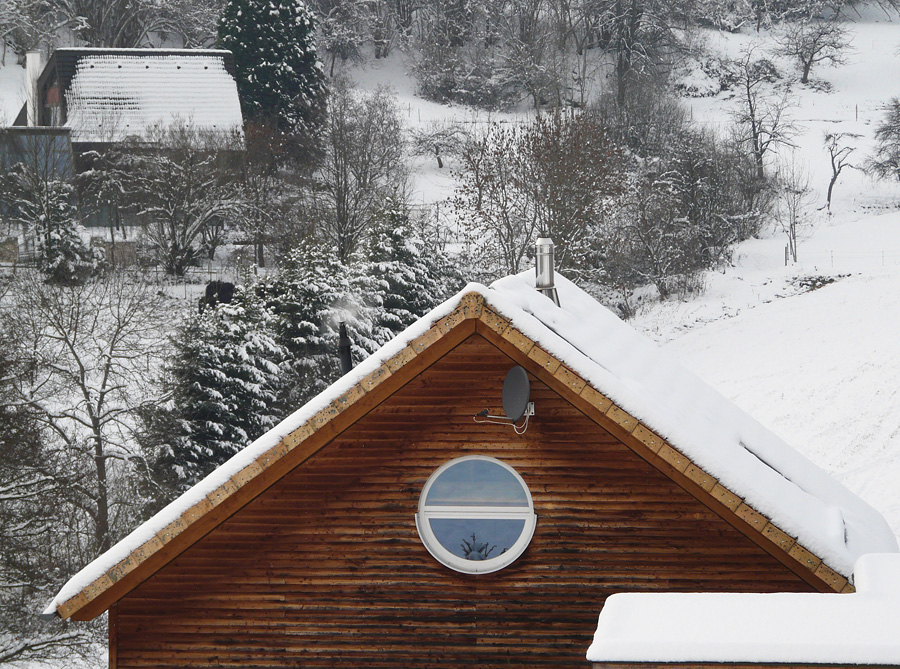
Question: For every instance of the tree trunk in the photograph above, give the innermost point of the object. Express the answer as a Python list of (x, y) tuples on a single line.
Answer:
[(834, 178), (805, 76), (260, 253), (102, 529)]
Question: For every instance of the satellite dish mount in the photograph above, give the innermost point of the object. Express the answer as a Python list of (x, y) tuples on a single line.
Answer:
[(516, 402)]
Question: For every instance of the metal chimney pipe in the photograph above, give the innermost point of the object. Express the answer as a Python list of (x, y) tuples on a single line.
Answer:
[(543, 269), (33, 67), (344, 349)]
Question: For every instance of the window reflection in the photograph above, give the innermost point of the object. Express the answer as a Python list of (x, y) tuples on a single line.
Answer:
[(477, 483), (477, 538)]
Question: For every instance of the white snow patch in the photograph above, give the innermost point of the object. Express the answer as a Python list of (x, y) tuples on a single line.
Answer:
[(857, 628)]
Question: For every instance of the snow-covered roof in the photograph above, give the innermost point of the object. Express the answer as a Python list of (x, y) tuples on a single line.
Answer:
[(808, 628), (114, 95), (747, 459)]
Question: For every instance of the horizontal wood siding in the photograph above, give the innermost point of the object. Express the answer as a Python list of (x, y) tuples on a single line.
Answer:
[(326, 568)]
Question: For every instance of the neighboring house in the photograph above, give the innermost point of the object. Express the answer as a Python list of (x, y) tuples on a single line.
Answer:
[(390, 522), (680, 630), (109, 96)]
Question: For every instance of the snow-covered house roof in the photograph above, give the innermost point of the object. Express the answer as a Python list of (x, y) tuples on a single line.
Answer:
[(690, 432), (780, 628), (114, 94)]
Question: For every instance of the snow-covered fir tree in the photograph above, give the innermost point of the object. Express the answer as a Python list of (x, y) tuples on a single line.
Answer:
[(62, 256), (45, 209), (311, 297), (413, 273), (279, 75), (225, 380)]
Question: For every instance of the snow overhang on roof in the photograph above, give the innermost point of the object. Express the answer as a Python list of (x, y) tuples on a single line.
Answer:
[(804, 628), (779, 499), (116, 95)]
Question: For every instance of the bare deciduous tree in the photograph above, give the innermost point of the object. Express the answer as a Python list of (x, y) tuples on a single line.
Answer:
[(552, 175), (814, 41), (88, 354), (839, 153), (180, 183), (362, 164), (32, 559), (794, 203), (762, 118), (439, 140)]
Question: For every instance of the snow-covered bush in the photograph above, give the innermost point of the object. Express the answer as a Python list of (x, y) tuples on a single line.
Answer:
[(886, 161), (704, 77)]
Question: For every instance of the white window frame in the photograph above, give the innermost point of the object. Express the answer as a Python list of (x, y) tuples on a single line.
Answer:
[(454, 562)]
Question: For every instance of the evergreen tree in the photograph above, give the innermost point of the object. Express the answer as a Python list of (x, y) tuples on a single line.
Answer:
[(225, 380), (312, 295), (279, 75), (885, 163), (62, 256), (413, 274), (44, 206)]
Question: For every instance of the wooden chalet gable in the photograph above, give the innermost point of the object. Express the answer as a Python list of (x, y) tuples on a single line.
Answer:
[(218, 498)]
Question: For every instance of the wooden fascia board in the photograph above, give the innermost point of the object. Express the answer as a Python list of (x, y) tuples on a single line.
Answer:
[(641, 439), (291, 451)]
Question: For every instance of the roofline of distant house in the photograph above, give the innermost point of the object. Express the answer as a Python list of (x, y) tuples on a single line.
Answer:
[(142, 51), (36, 129)]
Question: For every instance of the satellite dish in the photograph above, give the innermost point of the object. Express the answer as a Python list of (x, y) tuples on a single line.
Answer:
[(516, 393)]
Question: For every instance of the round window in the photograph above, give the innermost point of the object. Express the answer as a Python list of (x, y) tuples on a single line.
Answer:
[(476, 515)]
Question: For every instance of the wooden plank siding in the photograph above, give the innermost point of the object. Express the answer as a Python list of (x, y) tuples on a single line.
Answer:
[(325, 568)]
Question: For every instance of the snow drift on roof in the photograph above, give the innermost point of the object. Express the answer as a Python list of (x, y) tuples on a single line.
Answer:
[(857, 628), (113, 97), (744, 456), (622, 364)]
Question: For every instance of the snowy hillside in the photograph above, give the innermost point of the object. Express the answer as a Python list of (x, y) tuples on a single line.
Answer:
[(822, 368)]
